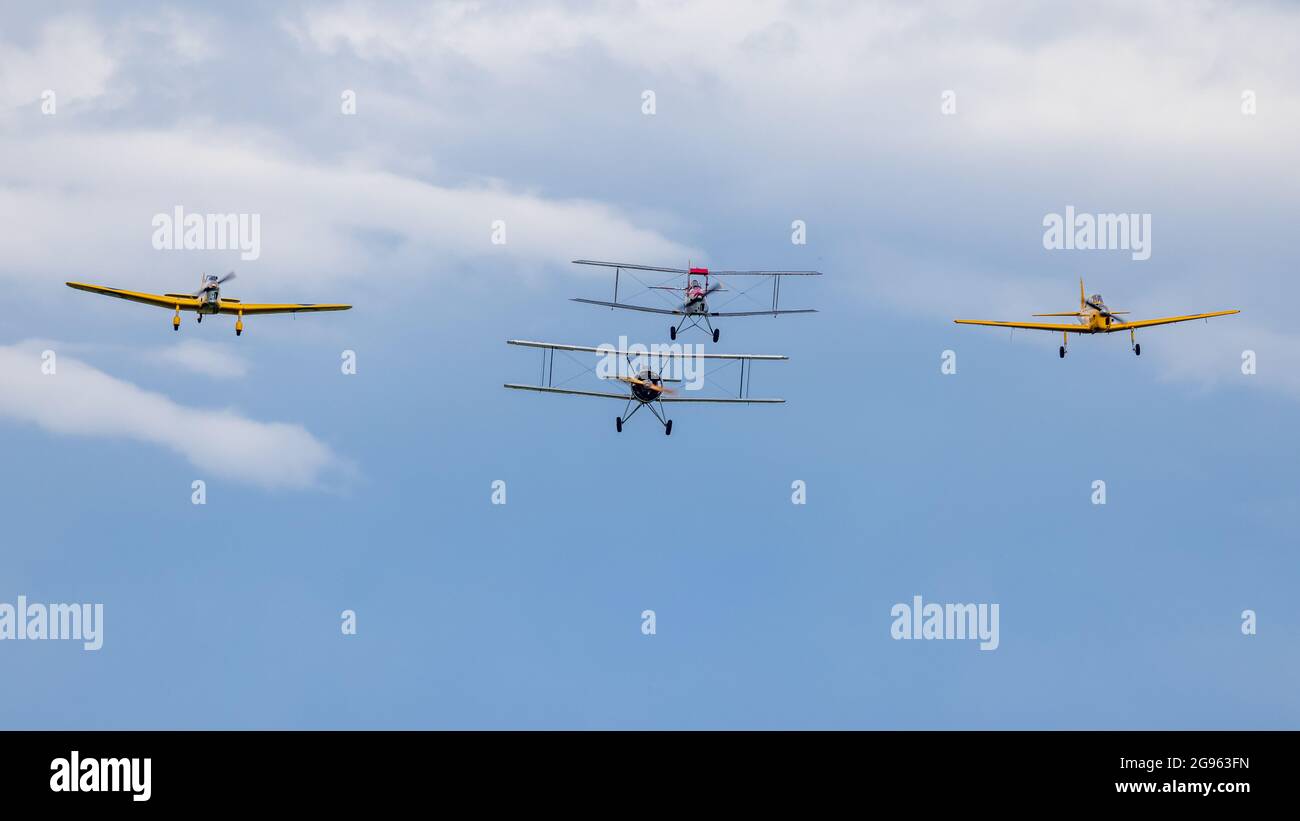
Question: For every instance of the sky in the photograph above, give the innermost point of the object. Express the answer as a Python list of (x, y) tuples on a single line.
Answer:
[(921, 146)]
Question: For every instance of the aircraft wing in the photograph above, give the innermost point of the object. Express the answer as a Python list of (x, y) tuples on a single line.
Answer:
[(723, 401), (765, 313), (686, 271), (1070, 328), (236, 307), (661, 354), (541, 389), (765, 273), (169, 301), (627, 307), (630, 267), (1167, 320)]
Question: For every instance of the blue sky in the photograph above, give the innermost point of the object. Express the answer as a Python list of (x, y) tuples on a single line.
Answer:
[(371, 492)]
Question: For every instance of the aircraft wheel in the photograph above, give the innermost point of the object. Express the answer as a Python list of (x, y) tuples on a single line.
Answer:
[(672, 332), (1137, 349), (717, 332), (199, 318), (239, 332), (618, 424), (668, 428), (1062, 351)]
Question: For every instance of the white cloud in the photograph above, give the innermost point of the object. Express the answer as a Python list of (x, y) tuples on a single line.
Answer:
[(203, 358), (70, 58), (81, 400), (1155, 72), (318, 222)]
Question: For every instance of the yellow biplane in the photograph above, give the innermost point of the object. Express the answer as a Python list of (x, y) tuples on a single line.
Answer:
[(208, 300), (1093, 318)]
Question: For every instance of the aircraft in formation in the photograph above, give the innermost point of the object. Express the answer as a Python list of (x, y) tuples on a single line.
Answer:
[(208, 300), (643, 371), (1093, 317), (648, 372), (691, 302)]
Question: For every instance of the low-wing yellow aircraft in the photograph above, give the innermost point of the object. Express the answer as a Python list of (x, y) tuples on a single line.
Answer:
[(208, 300), (1093, 318)]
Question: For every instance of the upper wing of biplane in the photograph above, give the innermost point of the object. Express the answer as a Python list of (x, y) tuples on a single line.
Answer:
[(630, 267), (1167, 320), (712, 273), (670, 354), (172, 301), (649, 310)]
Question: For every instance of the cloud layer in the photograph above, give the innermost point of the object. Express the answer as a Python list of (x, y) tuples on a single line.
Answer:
[(78, 399)]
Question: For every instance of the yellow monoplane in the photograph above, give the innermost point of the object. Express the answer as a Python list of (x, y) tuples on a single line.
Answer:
[(1093, 317), (208, 300)]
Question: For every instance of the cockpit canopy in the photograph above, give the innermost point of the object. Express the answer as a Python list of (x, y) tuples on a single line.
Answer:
[(1097, 301)]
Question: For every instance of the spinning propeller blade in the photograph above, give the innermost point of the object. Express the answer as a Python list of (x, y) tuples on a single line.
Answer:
[(652, 386)]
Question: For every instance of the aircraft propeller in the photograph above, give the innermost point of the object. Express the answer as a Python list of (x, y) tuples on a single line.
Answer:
[(645, 384), (204, 280)]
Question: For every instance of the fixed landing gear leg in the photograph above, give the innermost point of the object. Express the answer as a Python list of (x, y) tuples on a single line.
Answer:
[(1065, 340), (176, 320), (239, 324), (1137, 348), (663, 420)]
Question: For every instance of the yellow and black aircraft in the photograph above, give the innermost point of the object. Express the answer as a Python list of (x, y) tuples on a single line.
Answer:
[(1093, 318), (208, 300)]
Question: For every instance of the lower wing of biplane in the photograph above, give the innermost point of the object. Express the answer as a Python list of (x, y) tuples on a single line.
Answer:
[(202, 304), (647, 373), (695, 308)]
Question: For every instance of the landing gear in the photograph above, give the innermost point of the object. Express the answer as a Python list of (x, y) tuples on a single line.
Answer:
[(717, 332), (176, 320), (618, 424), (1062, 351), (663, 420), (199, 317), (672, 332), (1065, 340), (239, 325), (1137, 348)]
